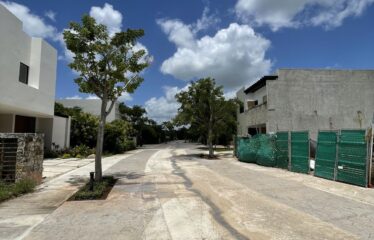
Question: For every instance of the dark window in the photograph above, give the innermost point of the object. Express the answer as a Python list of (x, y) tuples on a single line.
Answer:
[(24, 124), (24, 73)]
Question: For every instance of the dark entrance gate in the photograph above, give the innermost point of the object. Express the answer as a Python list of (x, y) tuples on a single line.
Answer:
[(352, 157), (282, 150), (300, 152), (8, 158), (326, 155)]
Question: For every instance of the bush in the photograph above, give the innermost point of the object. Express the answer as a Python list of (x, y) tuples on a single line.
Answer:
[(66, 155), (84, 129), (129, 145), (81, 151), (115, 137)]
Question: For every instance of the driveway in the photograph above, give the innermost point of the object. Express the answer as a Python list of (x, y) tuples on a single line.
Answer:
[(167, 192)]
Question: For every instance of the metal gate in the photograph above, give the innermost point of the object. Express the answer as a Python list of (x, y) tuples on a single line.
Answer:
[(300, 152), (8, 156), (352, 157), (326, 155), (282, 150)]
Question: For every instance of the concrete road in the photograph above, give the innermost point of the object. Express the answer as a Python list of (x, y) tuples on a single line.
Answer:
[(168, 192)]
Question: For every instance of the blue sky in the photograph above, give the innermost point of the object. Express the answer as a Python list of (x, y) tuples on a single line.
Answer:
[(234, 41)]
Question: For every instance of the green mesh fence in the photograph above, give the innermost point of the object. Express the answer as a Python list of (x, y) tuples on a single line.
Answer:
[(300, 152), (247, 150), (326, 155), (282, 150), (352, 157), (266, 152)]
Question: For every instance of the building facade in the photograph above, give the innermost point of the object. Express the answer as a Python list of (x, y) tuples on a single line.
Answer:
[(305, 99), (92, 106), (27, 80)]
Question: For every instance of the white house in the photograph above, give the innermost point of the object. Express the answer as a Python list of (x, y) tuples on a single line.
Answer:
[(27, 84)]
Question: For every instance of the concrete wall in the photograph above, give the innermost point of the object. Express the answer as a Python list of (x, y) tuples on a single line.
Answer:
[(92, 106), (254, 116), (320, 100), (35, 99), (6, 123)]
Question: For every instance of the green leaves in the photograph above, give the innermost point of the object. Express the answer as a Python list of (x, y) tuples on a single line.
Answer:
[(204, 108), (107, 65)]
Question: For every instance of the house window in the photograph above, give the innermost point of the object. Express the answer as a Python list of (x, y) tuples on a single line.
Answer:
[(24, 73)]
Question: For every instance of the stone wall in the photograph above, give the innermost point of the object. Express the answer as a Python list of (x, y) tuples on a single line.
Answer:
[(29, 160)]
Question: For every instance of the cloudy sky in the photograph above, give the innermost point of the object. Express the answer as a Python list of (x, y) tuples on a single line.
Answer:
[(234, 41)]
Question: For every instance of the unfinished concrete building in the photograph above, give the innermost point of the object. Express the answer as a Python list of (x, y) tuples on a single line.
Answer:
[(305, 99)]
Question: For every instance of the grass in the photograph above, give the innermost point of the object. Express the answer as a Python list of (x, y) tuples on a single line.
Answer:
[(100, 191), (11, 190)]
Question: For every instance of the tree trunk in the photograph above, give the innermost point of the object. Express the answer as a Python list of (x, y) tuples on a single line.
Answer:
[(210, 136), (99, 142)]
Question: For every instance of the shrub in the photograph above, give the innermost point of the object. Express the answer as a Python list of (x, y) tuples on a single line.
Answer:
[(129, 145), (80, 151), (115, 137), (66, 155), (84, 129)]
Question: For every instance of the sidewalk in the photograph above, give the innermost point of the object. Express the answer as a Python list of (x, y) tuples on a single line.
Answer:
[(53, 168), (20, 215)]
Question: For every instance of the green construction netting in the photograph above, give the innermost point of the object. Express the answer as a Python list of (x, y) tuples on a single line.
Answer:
[(326, 155), (300, 152), (282, 150), (247, 150), (266, 152), (352, 157), (260, 149)]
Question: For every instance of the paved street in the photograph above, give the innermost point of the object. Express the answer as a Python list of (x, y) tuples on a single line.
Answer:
[(167, 192)]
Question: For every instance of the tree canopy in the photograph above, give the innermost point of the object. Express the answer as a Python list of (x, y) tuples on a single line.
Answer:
[(205, 109)]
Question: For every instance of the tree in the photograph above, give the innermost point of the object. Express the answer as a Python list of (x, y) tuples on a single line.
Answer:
[(205, 109), (107, 65)]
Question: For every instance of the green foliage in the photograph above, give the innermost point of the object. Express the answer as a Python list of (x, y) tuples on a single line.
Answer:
[(98, 192), (129, 145), (81, 151), (103, 61), (83, 129), (115, 136), (66, 155), (10, 190), (205, 110)]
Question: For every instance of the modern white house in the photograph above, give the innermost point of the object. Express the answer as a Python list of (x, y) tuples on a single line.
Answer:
[(27, 84), (92, 106)]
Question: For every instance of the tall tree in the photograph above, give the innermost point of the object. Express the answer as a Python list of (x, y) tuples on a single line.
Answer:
[(204, 107), (108, 66)]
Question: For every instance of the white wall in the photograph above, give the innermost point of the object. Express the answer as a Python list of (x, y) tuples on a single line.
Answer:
[(61, 131), (37, 98), (92, 106)]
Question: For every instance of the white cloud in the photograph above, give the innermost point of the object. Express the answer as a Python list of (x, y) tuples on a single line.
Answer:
[(74, 97), (166, 107), (126, 97), (51, 15), (234, 56), (108, 16), (293, 13), (92, 97), (33, 24)]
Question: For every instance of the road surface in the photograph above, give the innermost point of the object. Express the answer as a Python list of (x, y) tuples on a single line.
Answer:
[(167, 192)]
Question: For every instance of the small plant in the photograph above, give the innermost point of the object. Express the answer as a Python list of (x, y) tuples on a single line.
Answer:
[(66, 155), (81, 151), (100, 191)]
